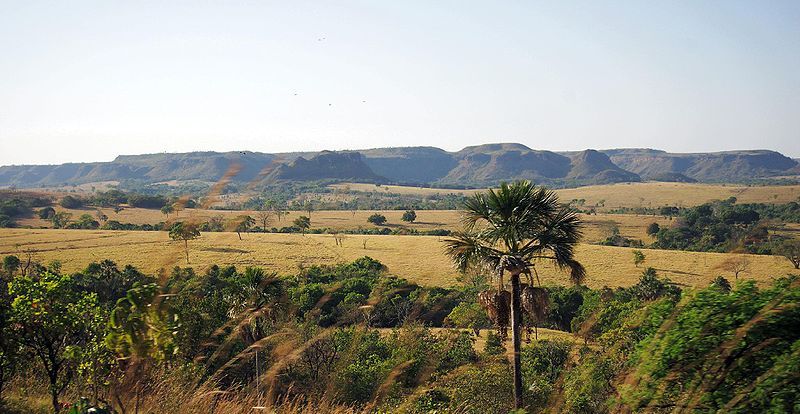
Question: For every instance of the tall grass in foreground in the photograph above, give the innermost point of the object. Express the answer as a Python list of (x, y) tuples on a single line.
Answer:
[(167, 392)]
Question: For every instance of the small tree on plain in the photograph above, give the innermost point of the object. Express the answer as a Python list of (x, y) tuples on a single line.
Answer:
[(736, 264), (244, 224), (409, 216), (308, 207), (61, 219), (185, 232), (377, 219), (303, 223), (653, 229), (264, 217), (167, 210)]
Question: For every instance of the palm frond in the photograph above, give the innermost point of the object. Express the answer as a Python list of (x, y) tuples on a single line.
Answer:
[(467, 250)]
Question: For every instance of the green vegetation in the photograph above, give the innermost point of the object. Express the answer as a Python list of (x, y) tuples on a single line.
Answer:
[(303, 223), (510, 231), (184, 232), (409, 216), (720, 226), (377, 219), (16, 204), (123, 340)]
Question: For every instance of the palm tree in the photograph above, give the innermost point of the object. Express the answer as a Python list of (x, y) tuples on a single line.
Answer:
[(510, 230)]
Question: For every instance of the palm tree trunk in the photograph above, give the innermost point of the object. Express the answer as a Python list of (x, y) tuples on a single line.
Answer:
[(516, 320)]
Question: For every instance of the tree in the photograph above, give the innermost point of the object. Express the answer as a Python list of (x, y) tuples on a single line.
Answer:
[(638, 257), (652, 229), (409, 216), (722, 284), (736, 264), (264, 217), (141, 329), (377, 219), (101, 216), (85, 221), (184, 231), (243, 224), (47, 213), (790, 249), (11, 264), (216, 223), (303, 223), (61, 219), (168, 209), (308, 207), (56, 322), (468, 315), (509, 230), (71, 202), (8, 344)]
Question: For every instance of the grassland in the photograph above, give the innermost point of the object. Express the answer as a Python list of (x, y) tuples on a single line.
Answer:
[(597, 227), (649, 194), (417, 258)]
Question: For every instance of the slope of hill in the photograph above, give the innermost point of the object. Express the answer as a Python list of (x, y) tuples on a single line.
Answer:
[(410, 164), (491, 163), (326, 165), (150, 168), (472, 166), (597, 167)]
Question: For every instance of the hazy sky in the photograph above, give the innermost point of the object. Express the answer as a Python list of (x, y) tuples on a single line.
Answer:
[(86, 81)]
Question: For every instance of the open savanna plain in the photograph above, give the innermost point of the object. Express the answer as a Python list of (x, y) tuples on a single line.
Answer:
[(630, 195), (417, 258), (597, 226)]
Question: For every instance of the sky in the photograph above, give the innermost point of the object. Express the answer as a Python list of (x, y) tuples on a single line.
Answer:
[(87, 81)]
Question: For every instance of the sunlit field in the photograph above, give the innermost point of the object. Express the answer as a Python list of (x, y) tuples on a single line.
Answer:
[(419, 259), (597, 226), (649, 194)]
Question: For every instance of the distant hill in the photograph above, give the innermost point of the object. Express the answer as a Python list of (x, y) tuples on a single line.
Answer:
[(704, 167), (148, 168), (491, 163), (420, 165), (595, 166), (326, 165), (479, 165)]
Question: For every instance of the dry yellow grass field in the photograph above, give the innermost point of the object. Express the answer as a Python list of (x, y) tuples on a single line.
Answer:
[(416, 258), (648, 194), (596, 225), (657, 194)]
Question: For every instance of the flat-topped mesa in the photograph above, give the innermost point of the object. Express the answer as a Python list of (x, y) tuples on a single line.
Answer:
[(479, 165)]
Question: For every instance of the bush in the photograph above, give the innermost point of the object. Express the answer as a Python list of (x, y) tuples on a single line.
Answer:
[(377, 219), (72, 202), (147, 201), (47, 213)]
